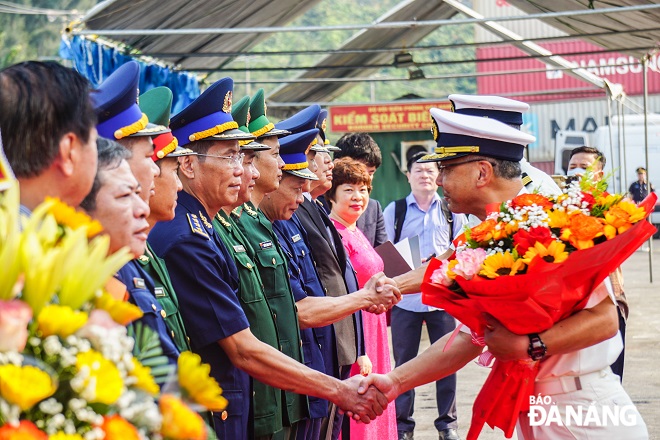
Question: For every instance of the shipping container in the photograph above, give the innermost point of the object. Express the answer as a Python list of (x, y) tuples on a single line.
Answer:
[(616, 67)]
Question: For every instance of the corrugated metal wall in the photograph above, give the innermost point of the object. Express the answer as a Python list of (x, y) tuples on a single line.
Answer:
[(500, 8)]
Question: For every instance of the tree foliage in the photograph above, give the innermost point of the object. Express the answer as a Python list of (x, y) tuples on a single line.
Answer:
[(36, 37)]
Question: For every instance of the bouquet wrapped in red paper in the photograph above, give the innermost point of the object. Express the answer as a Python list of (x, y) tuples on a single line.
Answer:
[(534, 261)]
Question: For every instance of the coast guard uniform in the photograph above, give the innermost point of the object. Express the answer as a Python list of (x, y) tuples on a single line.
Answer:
[(201, 269)]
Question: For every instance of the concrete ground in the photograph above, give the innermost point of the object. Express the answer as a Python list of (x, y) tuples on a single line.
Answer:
[(642, 363)]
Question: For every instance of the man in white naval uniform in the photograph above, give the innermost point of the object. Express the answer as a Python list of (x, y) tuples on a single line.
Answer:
[(480, 165)]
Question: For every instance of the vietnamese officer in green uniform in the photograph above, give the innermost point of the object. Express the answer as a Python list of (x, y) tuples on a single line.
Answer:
[(270, 258), (157, 104), (266, 400)]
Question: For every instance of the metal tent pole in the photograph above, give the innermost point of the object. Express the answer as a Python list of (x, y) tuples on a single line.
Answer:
[(645, 60)]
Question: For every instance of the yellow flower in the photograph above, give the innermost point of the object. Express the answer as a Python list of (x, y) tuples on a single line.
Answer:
[(102, 381), (199, 386), (62, 436), (451, 265), (510, 228), (60, 320), (145, 381), (25, 385), (179, 421), (67, 216), (122, 312), (620, 217), (554, 253), (557, 219), (501, 264), (10, 240), (90, 268), (117, 428)]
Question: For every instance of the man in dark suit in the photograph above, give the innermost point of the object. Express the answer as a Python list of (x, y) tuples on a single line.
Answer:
[(362, 147), (334, 268)]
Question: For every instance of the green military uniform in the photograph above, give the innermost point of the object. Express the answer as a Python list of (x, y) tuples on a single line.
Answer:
[(272, 267), (166, 296), (266, 400)]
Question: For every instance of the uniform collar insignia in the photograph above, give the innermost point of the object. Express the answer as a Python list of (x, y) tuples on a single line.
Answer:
[(205, 220), (222, 221), (249, 210)]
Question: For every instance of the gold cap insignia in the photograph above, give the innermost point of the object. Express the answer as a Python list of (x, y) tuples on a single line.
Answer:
[(226, 106), (434, 130), (453, 107)]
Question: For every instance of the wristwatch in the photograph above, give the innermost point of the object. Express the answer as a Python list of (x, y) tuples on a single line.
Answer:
[(536, 348)]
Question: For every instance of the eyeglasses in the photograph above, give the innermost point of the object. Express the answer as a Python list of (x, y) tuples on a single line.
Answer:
[(442, 168), (235, 160)]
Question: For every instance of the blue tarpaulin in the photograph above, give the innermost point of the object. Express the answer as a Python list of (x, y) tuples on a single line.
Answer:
[(96, 62)]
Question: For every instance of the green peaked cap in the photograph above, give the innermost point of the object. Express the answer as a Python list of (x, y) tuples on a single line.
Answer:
[(157, 105), (259, 124), (239, 111)]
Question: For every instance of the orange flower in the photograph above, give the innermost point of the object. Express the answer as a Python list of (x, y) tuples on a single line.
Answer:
[(67, 216), (25, 430), (179, 421), (582, 230), (483, 232), (531, 199), (117, 428)]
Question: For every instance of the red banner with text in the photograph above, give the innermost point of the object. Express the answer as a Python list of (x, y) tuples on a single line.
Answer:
[(383, 117)]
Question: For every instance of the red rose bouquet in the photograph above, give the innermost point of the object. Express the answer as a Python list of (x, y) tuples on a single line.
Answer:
[(534, 261)]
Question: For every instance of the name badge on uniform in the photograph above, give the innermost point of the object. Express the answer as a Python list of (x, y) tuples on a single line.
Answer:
[(196, 226), (266, 244), (159, 292), (138, 283), (239, 248), (295, 238)]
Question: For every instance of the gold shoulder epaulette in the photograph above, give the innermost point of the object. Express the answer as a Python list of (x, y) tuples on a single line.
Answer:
[(196, 226)]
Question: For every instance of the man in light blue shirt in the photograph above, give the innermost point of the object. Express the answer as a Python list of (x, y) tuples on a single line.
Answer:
[(423, 216)]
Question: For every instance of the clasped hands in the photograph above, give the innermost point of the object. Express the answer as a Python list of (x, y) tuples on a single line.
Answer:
[(384, 293)]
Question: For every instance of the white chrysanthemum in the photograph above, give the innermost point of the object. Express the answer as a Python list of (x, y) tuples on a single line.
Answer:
[(51, 406), (52, 345), (10, 412), (94, 434)]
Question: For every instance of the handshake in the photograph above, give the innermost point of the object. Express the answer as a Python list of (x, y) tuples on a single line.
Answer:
[(379, 294), (365, 398)]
